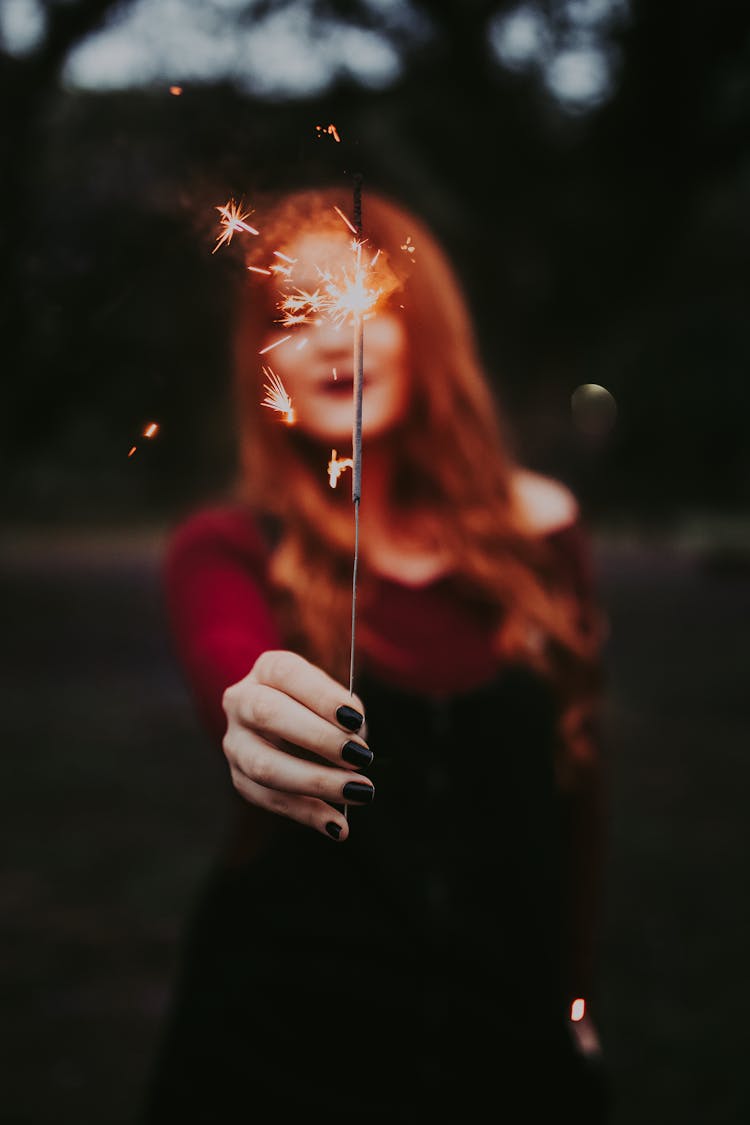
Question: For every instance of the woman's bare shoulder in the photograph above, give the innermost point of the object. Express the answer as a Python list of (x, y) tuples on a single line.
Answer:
[(546, 504)]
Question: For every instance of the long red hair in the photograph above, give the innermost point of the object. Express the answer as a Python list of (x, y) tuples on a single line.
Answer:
[(453, 463)]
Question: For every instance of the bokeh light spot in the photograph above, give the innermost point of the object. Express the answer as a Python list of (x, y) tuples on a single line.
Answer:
[(593, 409)]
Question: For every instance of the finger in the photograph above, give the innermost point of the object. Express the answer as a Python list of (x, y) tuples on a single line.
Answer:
[(265, 764), (291, 673), (304, 810), (278, 715)]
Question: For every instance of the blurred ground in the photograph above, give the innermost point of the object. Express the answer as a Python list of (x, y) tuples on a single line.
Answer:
[(112, 802)]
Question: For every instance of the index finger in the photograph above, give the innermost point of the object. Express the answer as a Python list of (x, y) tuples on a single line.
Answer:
[(310, 685)]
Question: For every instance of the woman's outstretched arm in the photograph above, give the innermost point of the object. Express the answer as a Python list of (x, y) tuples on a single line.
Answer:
[(217, 605)]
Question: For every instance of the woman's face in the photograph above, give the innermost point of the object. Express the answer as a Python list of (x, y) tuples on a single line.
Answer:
[(316, 363)]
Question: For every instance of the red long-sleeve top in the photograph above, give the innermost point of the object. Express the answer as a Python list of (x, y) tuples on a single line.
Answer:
[(423, 638)]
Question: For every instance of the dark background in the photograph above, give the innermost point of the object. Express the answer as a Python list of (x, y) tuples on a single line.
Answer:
[(600, 241)]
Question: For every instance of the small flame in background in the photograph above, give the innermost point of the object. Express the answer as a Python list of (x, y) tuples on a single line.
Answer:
[(336, 467), (276, 397), (232, 220), (149, 431)]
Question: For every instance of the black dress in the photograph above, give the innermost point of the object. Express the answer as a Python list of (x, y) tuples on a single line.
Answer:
[(413, 973)]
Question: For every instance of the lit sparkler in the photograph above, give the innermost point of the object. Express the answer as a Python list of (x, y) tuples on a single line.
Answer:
[(232, 220), (277, 397), (347, 296), (350, 295)]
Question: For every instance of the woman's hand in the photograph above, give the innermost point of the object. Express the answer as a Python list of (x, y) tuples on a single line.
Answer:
[(285, 707)]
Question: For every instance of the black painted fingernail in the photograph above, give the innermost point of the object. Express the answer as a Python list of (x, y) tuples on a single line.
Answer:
[(356, 755), (333, 829), (349, 718), (358, 791)]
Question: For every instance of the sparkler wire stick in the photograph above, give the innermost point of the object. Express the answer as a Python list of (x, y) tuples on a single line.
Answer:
[(358, 356)]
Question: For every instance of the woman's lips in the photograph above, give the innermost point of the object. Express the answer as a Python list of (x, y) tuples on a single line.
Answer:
[(343, 384)]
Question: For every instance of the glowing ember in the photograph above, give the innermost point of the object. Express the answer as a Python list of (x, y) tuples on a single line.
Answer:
[(232, 220), (175, 91), (151, 430), (578, 1009), (336, 467), (132, 451), (276, 396), (408, 246), (328, 130)]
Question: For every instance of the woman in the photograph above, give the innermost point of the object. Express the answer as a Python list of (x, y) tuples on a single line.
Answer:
[(405, 909)]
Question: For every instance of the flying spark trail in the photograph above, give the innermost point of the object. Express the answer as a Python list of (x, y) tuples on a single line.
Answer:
[(277, 397), (232, 220)]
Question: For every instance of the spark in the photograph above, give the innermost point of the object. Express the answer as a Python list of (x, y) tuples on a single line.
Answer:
[(275, 344), (303, 343), (276, 396), (232, 220), (408, 246), (175, 91), (348, 294), (132, 450), (328, 130), (578, 1009), (151, 430), (336, 467), (351, 226), (335, 374), (257, 269), (300, 306), (285, 270)]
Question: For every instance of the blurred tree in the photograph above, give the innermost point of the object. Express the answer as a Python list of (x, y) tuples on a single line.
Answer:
[(586, 162)]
